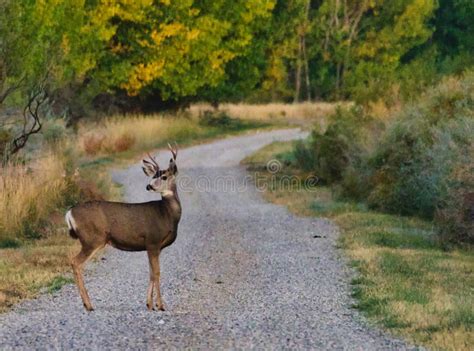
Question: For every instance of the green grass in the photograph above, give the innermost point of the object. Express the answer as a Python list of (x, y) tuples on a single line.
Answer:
[(407, 281), (8, 243), (58, 282)]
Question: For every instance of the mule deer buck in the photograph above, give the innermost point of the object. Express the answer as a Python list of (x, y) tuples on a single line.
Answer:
[(149, 226)]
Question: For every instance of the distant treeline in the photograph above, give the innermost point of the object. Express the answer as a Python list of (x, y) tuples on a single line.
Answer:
[(155, 54)]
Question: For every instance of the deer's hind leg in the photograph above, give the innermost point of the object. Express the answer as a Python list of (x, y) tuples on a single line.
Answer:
[(77, 264)]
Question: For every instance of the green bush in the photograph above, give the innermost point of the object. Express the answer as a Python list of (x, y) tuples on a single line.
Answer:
[(328, 154), (455, 215), (221, 121), (411, 168), (54, 131), (422, 165)]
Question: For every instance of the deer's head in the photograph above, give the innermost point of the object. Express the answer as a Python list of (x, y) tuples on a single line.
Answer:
[(162, 181)]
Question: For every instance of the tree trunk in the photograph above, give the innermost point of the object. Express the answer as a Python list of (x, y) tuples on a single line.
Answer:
[(305, 56), (306, 69), (338, 79), (298, 72)]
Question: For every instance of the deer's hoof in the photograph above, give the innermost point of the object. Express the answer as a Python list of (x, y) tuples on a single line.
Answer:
[(88, 308), (160, 307)]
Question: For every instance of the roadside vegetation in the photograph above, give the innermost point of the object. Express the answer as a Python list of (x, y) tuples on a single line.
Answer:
[(400, 188), (406, 281)]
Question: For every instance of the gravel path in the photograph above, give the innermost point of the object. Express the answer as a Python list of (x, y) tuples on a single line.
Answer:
[(242, 274)]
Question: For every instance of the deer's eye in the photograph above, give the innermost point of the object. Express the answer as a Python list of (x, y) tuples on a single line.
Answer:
[(164, 177)]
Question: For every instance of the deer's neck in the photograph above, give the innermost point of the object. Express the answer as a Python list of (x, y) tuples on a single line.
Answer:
[(171, 200)]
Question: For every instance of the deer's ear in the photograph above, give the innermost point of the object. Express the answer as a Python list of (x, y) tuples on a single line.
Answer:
[(149, 168), (173, 169)]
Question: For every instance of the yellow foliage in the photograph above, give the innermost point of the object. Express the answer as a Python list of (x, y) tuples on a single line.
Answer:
[(142, 75)]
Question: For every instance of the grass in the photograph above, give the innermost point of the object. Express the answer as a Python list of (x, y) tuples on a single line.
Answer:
[(37, 264), (302, 114), (407, 282), (29, 193), (34, 247), (134, 134)]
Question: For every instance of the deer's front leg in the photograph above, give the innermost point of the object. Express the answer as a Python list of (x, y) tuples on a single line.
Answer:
[(149, 294), (153, 257)]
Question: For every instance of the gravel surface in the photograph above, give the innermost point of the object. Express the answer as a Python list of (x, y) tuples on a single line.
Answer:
[(242, 274)]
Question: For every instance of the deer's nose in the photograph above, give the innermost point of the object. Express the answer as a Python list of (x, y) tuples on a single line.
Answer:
[(148, 187)]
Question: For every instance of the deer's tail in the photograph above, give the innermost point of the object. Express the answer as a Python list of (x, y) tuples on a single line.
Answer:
[(71, 223)]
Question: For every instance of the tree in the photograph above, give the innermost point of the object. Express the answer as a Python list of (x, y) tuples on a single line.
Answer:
[(176, 48), (44, 45)]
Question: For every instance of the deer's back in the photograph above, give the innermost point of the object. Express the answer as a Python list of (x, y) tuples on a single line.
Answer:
[(131, 227)]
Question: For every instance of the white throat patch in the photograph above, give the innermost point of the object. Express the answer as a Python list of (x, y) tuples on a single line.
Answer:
[(167, 193)]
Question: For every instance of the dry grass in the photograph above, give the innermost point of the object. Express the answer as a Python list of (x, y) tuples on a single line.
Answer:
[(407, 282), (306, 113), (136, 133), (31, 197), (29, 193), (24, 271)]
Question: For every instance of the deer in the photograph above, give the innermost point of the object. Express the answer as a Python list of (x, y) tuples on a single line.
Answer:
[(149, 226)]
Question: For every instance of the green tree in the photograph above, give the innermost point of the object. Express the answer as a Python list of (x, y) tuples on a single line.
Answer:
[(175, 48)]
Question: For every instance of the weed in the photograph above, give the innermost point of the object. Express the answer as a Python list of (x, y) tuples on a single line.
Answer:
[(58, 282)]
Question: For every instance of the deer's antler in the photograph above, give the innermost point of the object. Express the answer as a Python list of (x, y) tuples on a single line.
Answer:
[(152, 159), (174, 150)]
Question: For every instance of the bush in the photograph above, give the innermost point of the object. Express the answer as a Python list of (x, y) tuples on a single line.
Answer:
[(455, 215), (411, 168), (303, 155), (328, 154), (422, 165), (221, 120), (54, 131)]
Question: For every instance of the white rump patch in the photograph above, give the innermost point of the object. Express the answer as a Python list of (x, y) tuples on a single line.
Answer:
[(71, 223)]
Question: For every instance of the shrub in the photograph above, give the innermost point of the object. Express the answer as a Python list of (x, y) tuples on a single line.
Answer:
[(221, 120), (215, 119), (303, 155), (455, 215), (330, 153), (422, 165), (54, 131), (412, 166)]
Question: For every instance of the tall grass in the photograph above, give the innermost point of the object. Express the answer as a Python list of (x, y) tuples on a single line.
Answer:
[(139, 133), (302, 112), (29, 193)]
